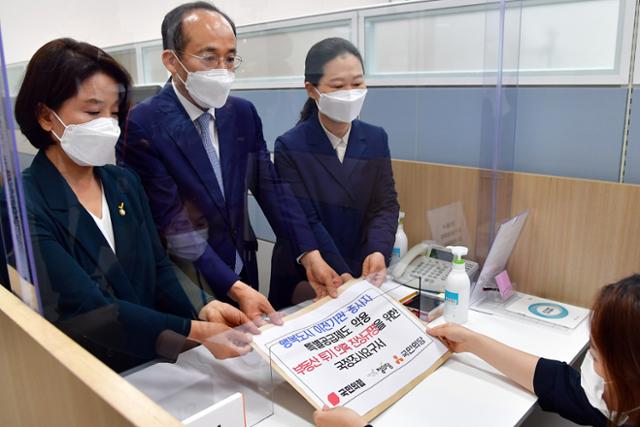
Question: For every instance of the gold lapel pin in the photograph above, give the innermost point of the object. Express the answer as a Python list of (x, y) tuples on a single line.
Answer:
[(121, 210)]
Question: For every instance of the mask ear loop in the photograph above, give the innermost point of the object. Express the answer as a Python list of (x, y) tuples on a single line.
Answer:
[(61, 122), (183, 67), (317, 101)]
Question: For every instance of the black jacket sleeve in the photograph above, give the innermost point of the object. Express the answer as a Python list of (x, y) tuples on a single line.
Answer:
[(558, 388)]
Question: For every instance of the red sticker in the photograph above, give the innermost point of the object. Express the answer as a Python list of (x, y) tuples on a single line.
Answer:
[(333, 399)]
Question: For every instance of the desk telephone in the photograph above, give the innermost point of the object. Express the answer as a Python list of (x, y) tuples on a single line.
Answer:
[(430, 261)]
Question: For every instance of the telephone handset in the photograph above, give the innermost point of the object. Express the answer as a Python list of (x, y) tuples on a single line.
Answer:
[(430, 261)]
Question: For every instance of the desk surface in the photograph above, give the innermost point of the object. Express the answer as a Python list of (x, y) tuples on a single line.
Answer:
[(464, 391)]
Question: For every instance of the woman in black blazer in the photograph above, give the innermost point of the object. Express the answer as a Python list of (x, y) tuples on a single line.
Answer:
[(339, 169), (606, 390), (102, 273)]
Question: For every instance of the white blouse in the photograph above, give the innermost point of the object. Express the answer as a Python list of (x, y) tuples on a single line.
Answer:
[(104, 223)]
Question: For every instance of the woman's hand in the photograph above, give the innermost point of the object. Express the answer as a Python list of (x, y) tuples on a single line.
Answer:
[(374, 268), (322, 278), (220, 312), (458, 338), (516, 364), (254, 304), (222, 341), (337, 417)]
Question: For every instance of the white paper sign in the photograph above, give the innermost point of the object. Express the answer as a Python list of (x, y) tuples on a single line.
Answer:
[(358, 350), (448, 225)]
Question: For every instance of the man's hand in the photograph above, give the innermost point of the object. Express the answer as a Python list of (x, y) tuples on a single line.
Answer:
[(337, 417), (322, 278), (253, 304), (374, 268), (222, 341), (219, 312)]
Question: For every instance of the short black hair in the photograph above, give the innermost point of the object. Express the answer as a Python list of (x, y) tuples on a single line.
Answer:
[(54, 74), (172, 37)]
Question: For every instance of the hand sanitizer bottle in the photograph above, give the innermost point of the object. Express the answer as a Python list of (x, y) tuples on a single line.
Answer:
[(401, 243), (457, 289)]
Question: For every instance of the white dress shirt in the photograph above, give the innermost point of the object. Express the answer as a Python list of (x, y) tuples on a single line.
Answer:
[(104, 223), (339, 144), (194, 112)]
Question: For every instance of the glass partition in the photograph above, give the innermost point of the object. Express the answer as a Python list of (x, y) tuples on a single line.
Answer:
[(251, 188), (127, 57), (192, 220), (557, 43), (14, 77), (396, 44), (630, 151), (153, 70), (274, 53), (17, 269), (198, 382)]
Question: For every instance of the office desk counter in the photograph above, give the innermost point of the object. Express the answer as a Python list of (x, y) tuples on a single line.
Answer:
[(464, 391)]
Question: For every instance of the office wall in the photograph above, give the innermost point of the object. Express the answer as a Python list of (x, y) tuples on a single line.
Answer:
[(632, 167), (565, 131), (560, 130), (28, 25), (579, 236)]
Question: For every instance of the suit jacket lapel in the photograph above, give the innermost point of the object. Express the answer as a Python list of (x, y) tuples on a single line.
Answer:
[(355, 149), (81, 228), (323, 150), (125, 227), (326, 155), (184, 134)]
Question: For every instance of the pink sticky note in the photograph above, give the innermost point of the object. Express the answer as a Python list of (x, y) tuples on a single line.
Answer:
[(504, 285)]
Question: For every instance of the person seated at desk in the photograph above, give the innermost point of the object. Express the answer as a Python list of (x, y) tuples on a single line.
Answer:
[(103, 276), (339, 169), (605, 392)]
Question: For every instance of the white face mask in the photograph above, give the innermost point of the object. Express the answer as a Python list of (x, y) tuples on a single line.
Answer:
[(92, 143), (593, 385), (342, 105), (210, 88)]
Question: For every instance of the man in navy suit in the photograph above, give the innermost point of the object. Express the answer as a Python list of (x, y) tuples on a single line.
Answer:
[(198, 152)]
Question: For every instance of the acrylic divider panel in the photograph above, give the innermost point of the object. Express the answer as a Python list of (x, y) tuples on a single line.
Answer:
[(198, 381), (16, 242)]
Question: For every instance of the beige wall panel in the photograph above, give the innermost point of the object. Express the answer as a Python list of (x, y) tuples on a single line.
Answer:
[(424, 186), (580, 235)]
